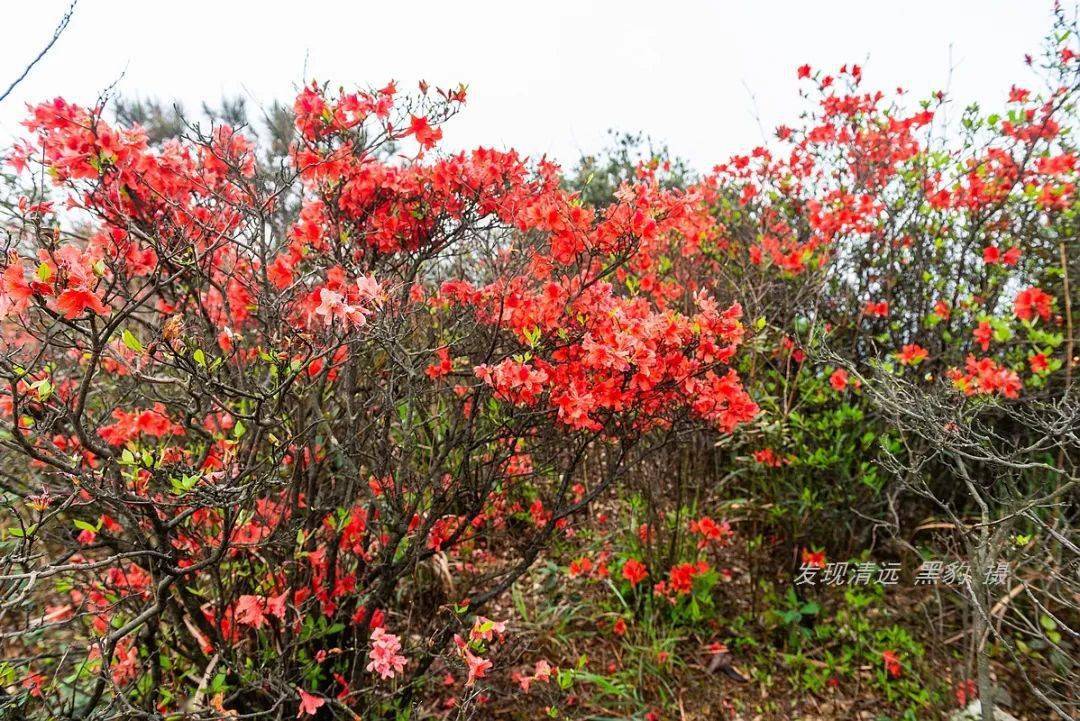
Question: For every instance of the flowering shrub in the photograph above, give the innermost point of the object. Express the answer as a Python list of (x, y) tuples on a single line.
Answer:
[(875, 240), (275, 436), (237, 449)]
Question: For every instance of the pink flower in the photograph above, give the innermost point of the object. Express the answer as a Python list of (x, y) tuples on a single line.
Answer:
[(309, 703), (369, 289), (251, 610), (385, 659), (478, 667), (543, 673), (351, 308), (485, 629), (544, 670)]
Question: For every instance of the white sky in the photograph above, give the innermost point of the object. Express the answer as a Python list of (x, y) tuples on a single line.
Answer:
[(549, 76)]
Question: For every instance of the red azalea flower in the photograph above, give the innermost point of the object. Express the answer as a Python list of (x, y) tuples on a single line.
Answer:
[(711, 531), (879, 309), (1031, 301), (768, 457), (73, 303), (813, 559), (442, 365), (892, 664), (634, 571), (965, 691), (912, 354), (982, 334), (426, 135)]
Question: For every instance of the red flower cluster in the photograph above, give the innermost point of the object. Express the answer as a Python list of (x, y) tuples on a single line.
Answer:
[(985, 376), (711, 532), (680, 580)]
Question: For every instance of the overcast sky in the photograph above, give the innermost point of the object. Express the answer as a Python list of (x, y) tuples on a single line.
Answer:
[(545, 77)]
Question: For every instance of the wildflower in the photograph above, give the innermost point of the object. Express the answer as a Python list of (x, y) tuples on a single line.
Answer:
[(985, 376), (813, 559), (965, 691), (768, 457), (477, 666), (879, 309), (309, 703), (634, 571), (892, 663), (385, 659), (426, 135), (485, 629), (581, 567), (711, 531), (251, 610), (1032, 301), (73, 303), (681, 577), (912, 354), (442, 365)]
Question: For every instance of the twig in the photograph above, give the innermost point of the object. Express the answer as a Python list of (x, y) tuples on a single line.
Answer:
[(60, 27)]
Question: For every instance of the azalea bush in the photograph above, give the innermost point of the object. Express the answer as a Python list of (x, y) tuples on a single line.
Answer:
[(925, 265), (258, 469), (330, 422), (910, 288)]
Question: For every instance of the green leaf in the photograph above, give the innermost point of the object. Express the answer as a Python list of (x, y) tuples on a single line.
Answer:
[(132, 342), (199, 357), (44, 389), (18, 532)]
